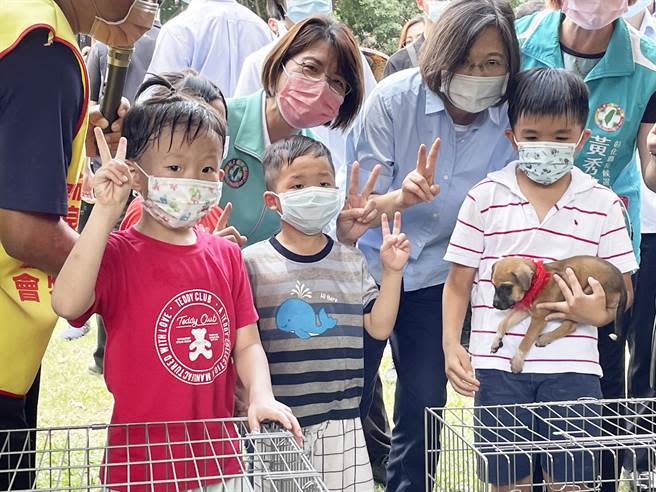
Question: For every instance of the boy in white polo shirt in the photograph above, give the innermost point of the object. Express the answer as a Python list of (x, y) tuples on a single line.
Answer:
[(542, 208)]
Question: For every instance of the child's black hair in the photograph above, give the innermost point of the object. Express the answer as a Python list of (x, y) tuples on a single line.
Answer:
[(188, 81), (285, 151), (548, 92), (168, 108)]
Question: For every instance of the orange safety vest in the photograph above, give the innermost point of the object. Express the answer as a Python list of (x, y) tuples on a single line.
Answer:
[(26, 316)]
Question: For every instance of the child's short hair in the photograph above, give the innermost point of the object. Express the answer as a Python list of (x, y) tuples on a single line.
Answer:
[(285, 151), (188, 81), (168, 108), (548, 92)]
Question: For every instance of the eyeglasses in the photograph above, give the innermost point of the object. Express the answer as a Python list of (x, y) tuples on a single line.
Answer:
[(311, 71)]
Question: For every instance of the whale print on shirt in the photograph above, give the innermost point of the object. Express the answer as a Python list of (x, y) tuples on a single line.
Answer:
[(295, 315)]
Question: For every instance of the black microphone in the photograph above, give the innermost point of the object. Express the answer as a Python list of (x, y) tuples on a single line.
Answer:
[(118, 60)]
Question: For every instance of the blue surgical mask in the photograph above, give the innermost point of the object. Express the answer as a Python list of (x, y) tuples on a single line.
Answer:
[(297, 10), (436, 8), (636, 8)]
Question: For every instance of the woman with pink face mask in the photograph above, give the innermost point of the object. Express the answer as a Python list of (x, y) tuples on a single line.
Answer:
[(312, 77)]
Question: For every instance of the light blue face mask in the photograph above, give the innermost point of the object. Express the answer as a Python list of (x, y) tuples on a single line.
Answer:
[(436, 8), (297, 10), (636, 8)]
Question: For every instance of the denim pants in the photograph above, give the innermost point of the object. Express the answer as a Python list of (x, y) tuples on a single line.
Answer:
[(421, 382)]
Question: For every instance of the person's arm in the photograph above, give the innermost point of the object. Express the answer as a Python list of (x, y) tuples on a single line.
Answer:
[(647, 152), (74, 291), (35, 152), (394, 254), (42, 241), (455, 299), (614, 246), (464, 252), (253, 372)]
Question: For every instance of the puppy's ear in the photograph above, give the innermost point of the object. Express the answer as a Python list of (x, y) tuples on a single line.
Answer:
[(492, 273), (524, 276)]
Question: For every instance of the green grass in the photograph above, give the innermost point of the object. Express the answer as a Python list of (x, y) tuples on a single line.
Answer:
[(71, 396)]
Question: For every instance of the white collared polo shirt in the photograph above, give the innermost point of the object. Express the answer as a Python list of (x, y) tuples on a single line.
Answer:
[(496, 220)]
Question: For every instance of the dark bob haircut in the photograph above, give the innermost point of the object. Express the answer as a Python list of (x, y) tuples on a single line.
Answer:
[(455, 32), (344, 48), (284, 152), (548, 92), (168, 108)]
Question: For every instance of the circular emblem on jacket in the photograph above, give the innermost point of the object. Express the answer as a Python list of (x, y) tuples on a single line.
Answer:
[(236, 173), (609, 117)]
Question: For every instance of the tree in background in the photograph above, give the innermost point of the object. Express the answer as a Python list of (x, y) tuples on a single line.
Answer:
[(376, 23), (171, 8)]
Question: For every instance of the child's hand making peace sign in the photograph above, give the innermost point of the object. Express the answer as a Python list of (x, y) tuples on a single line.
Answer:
[(113, 181)]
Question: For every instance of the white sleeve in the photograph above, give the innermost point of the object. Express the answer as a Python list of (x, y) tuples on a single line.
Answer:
[(250, 79), (468, 239), (614, 243)]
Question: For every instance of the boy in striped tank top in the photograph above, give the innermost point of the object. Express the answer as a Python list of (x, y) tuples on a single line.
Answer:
[(542, 208), (315, 298)]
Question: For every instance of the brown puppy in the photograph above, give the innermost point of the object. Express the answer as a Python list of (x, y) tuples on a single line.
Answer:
[(522, 284)]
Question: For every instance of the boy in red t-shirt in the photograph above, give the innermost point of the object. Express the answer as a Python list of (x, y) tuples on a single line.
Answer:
[(176, 301)]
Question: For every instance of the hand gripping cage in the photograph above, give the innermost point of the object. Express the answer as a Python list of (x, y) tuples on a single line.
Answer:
[(208, 455), (580, 446)]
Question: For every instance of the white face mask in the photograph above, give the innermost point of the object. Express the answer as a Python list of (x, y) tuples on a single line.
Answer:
[(546, 162), (178, 202), (474, 94), (311, 209), (436, 8)]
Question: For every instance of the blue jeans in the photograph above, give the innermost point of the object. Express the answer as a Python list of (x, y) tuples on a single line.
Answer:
[(421, 382), (498, 427)]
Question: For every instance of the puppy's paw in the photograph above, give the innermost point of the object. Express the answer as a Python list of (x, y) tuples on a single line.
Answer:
[(517, 363), (542, 341), (496, 345)]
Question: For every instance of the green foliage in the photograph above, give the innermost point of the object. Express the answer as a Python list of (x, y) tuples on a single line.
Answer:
[(377, 23), (171, 8)]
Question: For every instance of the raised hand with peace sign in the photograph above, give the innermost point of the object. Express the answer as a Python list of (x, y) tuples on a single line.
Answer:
[(227, 231), (359, 212), (113, 181), (419, 185), (395, 250)]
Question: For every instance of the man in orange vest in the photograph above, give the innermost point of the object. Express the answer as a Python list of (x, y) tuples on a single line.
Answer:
[(44, 117)]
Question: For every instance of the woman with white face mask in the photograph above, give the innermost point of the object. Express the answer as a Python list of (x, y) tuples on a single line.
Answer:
[(455, 96)]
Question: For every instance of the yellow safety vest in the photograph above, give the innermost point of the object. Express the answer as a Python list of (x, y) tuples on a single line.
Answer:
[(26, 316)]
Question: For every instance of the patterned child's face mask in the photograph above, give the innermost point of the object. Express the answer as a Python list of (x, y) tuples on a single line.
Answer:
[(180, 203), (546, 162)]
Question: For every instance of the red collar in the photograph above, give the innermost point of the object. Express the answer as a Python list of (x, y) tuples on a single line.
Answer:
[(540, 280)]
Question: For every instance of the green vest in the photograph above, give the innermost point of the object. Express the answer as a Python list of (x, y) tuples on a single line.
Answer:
[(620, 86), (244, 174)]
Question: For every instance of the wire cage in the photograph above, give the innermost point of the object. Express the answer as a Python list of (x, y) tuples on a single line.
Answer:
[(480, 449), (208, 455)]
